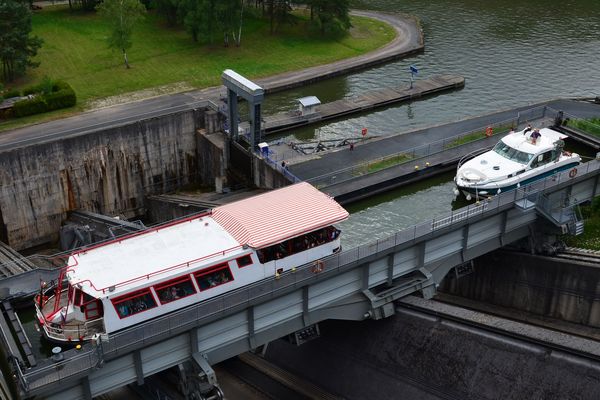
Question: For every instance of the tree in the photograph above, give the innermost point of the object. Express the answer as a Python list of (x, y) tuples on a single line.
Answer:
[(123, 15), (170, 9), (331, 15), (279, 12), (17, 48), (228, 12)]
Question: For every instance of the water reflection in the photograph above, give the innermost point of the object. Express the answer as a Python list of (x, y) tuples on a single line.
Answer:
[(381, 216), (512, 53)]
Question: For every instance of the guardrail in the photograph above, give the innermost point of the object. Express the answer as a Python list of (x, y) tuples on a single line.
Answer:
[(409, 155), (237, 300)]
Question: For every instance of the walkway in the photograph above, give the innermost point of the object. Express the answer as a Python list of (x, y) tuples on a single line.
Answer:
[(409, 40)]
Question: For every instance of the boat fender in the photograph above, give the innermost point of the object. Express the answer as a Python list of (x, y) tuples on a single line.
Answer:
[(573, 173), (318, 267)]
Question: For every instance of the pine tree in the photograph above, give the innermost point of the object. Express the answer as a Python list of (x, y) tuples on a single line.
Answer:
[(17, 48)]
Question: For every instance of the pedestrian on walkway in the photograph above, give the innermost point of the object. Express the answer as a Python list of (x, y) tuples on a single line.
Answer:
[(351, 146)]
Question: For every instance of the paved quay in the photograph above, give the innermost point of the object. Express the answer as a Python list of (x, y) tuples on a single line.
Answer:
[(324, 170), (409, 40)]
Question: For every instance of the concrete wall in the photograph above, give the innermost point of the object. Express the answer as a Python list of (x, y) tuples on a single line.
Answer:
[(109, 172), (211, 159), (540, 285), (267, 175), (411, 357)]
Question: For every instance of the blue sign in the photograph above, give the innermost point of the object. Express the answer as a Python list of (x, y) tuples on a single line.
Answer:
[(413, 70)]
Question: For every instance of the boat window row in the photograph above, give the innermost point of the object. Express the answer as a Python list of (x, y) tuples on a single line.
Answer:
[(298, 244), (511, 153), (545, 158), (175, 289)]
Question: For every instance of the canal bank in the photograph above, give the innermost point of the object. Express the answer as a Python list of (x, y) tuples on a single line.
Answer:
[(408, 41)]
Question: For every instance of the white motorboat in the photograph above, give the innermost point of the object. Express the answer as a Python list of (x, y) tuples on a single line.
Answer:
[(519, 158)]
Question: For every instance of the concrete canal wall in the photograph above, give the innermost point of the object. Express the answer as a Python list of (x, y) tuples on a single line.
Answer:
[(109, 172), (408, 356), (112, 171), (544, 286)]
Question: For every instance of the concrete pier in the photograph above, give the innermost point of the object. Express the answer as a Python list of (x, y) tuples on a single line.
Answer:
[(367, 101)]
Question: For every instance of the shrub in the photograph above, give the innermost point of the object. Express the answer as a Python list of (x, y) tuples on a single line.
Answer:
[(12, 93), (62, 96), (29, 107), (50, 96)]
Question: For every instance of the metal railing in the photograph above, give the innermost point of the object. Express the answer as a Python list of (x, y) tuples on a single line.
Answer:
[(180, 321), (413, 154), (281, 168)]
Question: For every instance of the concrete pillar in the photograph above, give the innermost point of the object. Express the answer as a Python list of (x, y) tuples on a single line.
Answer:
[(211, 121), (233, 114)]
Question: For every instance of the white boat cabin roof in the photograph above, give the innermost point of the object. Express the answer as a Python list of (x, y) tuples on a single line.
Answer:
[(170, 250), (120, 264), (521, 141)]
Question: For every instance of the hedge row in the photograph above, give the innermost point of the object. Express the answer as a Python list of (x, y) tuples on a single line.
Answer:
[(61, 96)]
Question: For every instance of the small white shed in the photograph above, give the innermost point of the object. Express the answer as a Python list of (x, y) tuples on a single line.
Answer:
[(309, 105)]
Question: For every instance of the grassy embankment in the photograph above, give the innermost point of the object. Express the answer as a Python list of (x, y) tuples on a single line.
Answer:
[(75, 50)]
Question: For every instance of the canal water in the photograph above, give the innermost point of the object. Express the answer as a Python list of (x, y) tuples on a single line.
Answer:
[(512, 53)]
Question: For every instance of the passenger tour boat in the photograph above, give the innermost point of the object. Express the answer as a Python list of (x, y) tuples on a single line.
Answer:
[(518, 159), (133, 279)]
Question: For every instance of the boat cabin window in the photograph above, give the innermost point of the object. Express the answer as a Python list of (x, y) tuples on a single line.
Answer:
[(134, 303), (175, 289), (213, 277), (511, 153), (244, 261), (297, 244), (542, 159)]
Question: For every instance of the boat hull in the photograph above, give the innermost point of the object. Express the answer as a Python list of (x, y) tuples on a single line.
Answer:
[(486, 190)]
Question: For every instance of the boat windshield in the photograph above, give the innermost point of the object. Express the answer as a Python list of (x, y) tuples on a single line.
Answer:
[(511, 153)]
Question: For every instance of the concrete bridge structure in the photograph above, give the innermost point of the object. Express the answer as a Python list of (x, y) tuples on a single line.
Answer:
[(357, 284)]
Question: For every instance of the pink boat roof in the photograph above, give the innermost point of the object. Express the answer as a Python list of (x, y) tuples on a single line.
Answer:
[(278, 215)]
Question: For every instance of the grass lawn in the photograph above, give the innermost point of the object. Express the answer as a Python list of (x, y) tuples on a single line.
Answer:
[(591, 126), (387, 162), (471, 137), (75, 50)]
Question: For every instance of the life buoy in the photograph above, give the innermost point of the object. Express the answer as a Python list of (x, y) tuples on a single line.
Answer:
[(573, 173), (489, 131), (317, 267)]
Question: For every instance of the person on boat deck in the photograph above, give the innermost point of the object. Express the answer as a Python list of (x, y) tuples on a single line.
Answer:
[(535, 135), (559, 145), (528, 129)]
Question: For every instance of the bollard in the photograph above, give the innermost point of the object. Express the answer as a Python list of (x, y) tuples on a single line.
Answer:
[(56, 354)]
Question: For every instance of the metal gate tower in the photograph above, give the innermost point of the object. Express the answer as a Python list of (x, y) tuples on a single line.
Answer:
[(236, 86)]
